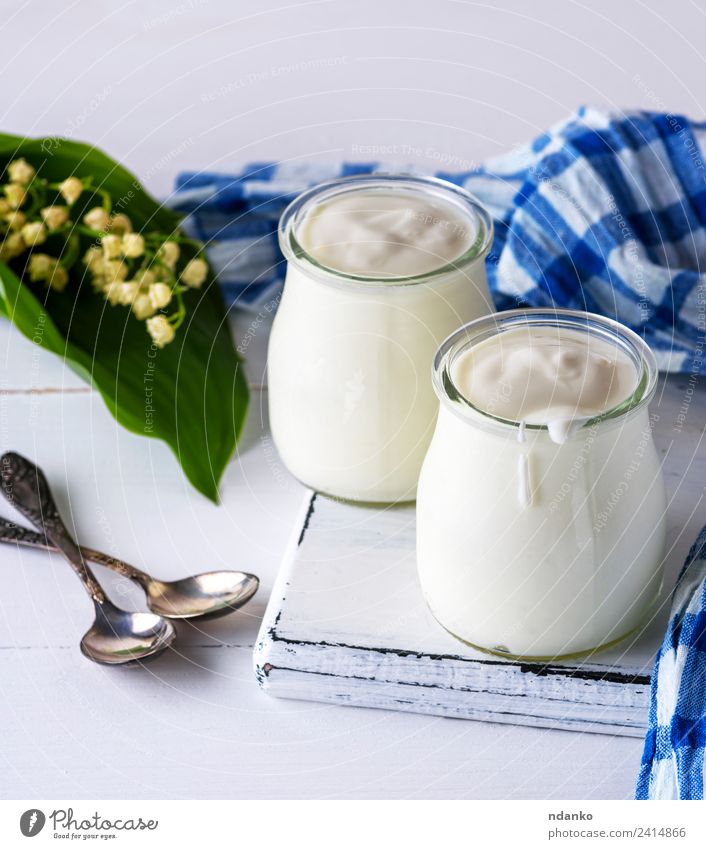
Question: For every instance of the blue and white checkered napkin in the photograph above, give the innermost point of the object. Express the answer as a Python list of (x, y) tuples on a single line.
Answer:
[(605, 213), (673, 760)]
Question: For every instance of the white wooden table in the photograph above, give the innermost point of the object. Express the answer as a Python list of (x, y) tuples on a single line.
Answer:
[(166, 86), (195, 724)]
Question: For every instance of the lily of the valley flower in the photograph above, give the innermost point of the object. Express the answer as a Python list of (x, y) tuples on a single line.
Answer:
[(34, 233), (133, 245), (160, 330), (59, 278), (97, 218), (195, 273), (45, 267), (93, 260), (55, 216), (160, 295), (144, 272), (71, 189), (120, 224), (15, 194), (169, 254), (129, 290), (40, 266), (142, 306), (20, 171), (114, 270), (12, 245), (15, 220), (112, 246), (146, 278), (111, 292)]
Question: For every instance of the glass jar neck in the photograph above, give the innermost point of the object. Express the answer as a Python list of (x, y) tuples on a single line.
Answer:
[(605, 329), (461, 201)]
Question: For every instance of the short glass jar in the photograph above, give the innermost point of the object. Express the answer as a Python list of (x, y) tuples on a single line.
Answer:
[(351, 406), (579, 565)]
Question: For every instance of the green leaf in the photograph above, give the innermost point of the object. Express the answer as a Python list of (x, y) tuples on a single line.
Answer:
[(192, 394)]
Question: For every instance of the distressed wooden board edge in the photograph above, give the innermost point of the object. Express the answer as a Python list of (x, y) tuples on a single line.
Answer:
[(442, 674), (267, 635), (337, 690)]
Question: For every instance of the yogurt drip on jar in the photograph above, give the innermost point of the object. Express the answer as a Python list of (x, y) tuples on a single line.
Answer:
[(558, 377), (524, 487), (385, 234)]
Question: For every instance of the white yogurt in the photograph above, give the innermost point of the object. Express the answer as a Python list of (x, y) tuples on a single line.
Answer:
[(540, 511), (380, 270), (385, 235), (555, 376)]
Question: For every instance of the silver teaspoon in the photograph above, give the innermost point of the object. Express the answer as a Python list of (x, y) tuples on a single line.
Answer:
[(205, 596), (116, 636)]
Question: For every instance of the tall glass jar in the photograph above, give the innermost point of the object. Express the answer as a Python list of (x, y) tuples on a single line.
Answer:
[(578, 564), (352, 409)]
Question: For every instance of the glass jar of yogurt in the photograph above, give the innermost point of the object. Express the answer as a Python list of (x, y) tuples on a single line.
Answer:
[(380, 269), (541, 504)]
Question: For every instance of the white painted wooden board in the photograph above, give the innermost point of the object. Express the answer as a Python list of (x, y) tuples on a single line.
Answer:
[(347, 622)]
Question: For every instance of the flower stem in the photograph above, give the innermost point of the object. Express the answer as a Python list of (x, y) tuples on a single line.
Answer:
[(71, 251), (177, 319)]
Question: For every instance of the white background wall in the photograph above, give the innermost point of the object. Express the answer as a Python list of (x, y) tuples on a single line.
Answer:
[(188, 84)]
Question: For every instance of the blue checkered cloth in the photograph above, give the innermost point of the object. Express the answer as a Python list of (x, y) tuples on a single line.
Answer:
[(605, 213), (673, 759)]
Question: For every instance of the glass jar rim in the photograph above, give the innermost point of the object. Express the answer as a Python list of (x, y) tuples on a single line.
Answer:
[(459, 197), (487, 326)]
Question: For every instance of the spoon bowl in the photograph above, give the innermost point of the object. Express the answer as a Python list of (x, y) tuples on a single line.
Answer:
[(205, 596), (119, 637), (116, 636)]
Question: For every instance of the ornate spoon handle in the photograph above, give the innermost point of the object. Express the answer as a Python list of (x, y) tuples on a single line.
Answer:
[(26, 488), (12, 533)]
